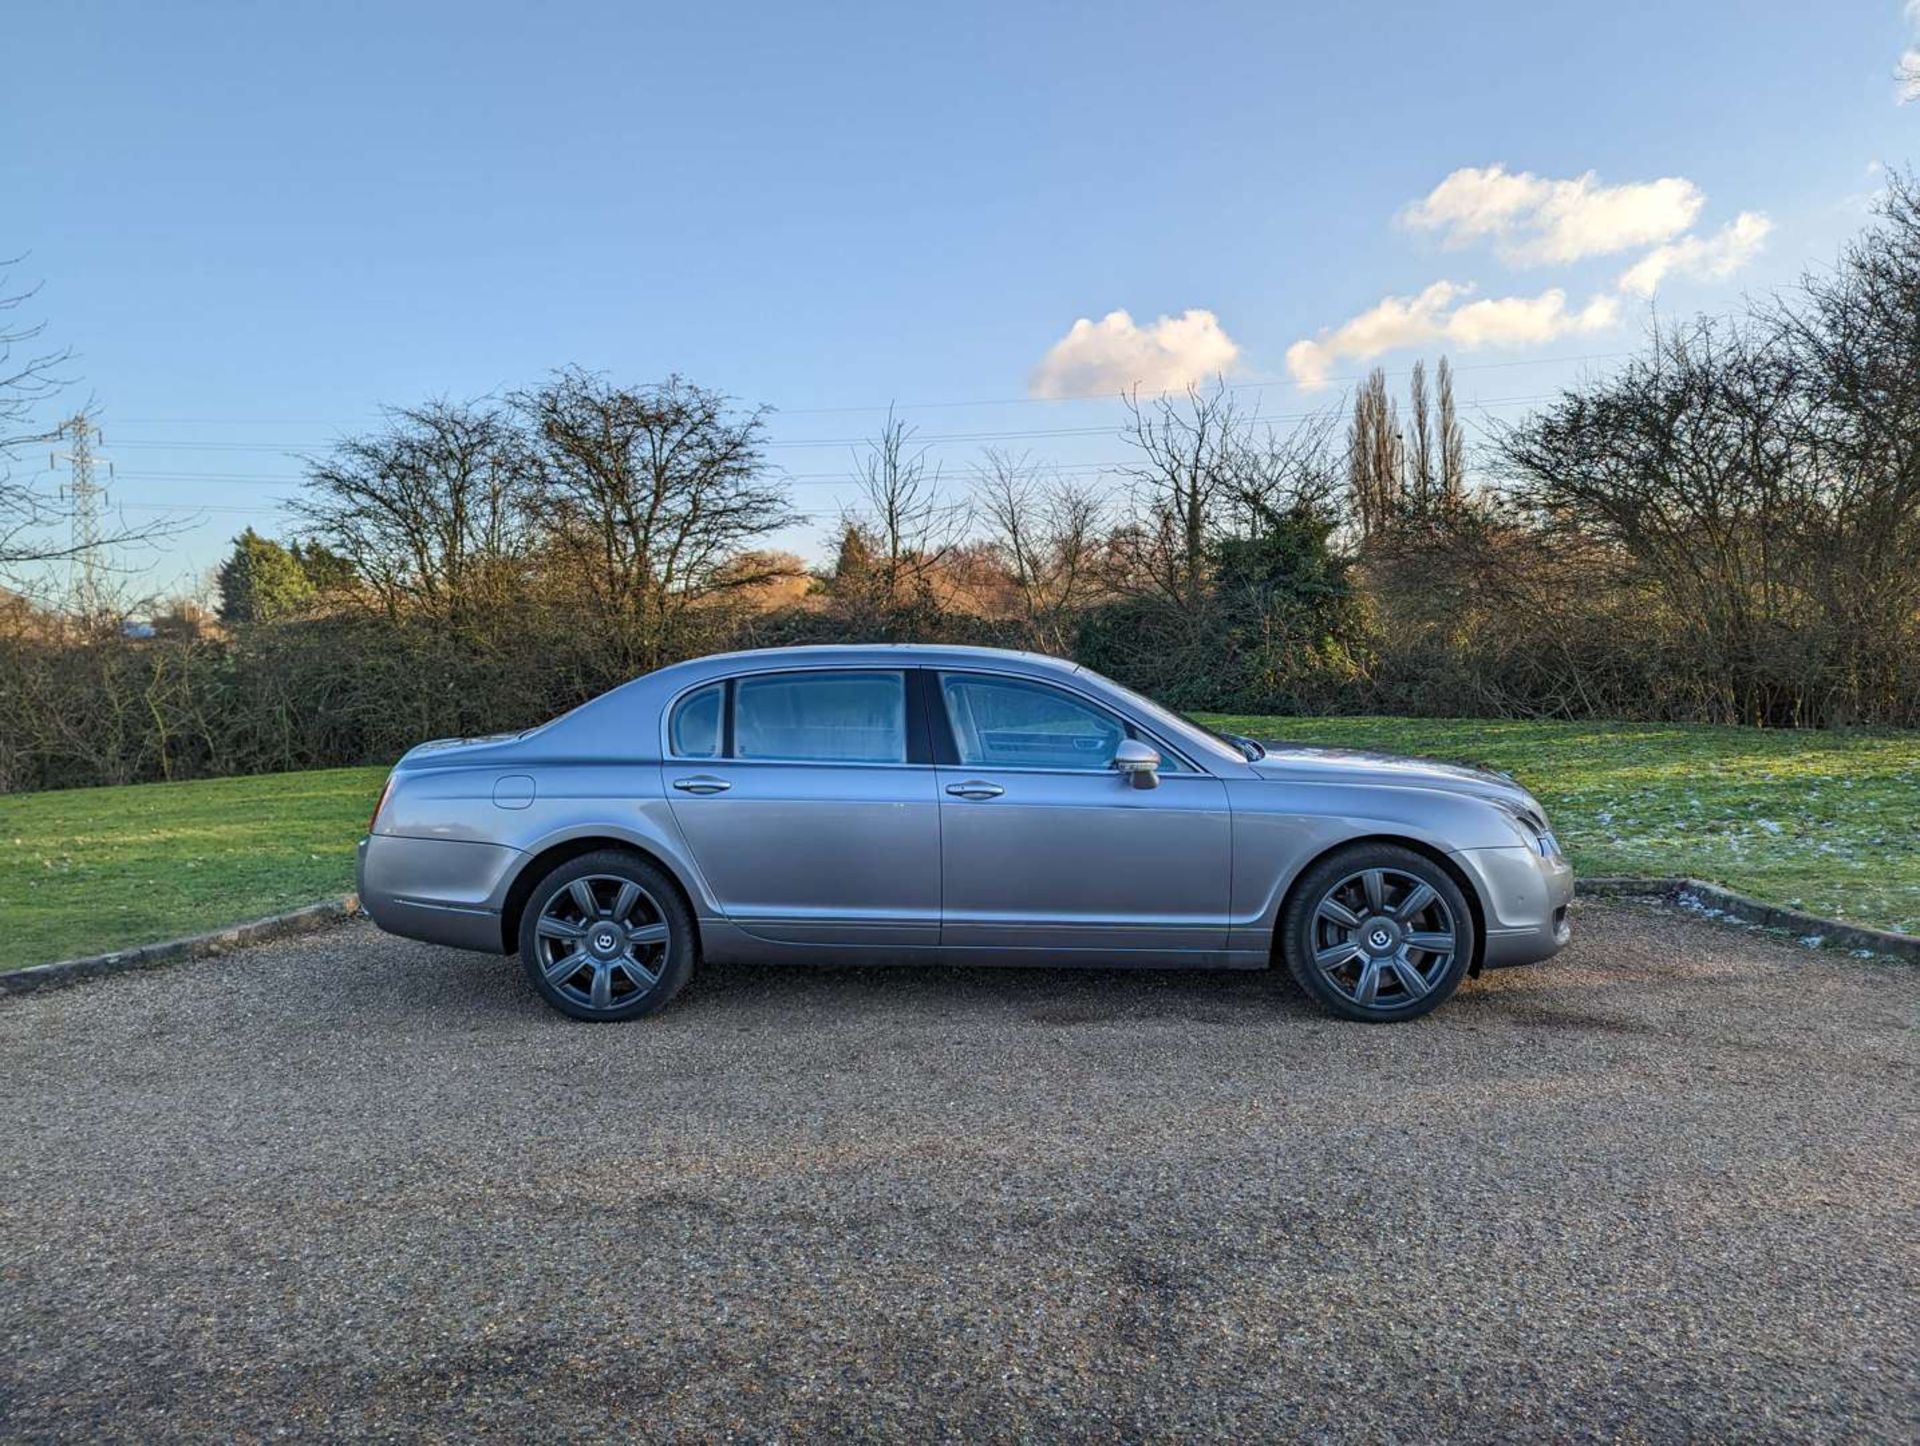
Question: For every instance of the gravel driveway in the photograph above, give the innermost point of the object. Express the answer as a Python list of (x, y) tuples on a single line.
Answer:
[(347, 1185)]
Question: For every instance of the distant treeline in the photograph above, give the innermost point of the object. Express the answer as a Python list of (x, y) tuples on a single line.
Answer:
[(1725, 529)]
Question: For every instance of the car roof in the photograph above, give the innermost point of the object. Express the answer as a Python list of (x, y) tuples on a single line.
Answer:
[(584, 724), (895, 655)]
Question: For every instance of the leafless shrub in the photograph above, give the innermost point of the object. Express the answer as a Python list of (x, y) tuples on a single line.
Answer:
[(646, 498), (1046, 531)]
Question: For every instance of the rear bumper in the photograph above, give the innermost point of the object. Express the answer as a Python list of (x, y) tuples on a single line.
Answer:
[(1525, 898), (444, 891)]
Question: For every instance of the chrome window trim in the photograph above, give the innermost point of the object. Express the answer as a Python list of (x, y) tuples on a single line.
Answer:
[(1099, 705), (667, 755), (1188, 765), (803, 763)]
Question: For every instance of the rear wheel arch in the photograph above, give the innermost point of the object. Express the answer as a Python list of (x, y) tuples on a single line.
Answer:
[(1475, 905), (543, 863)]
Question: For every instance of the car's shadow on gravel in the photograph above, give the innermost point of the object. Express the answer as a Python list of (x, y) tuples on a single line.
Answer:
[(1050, 996), (480, 992)]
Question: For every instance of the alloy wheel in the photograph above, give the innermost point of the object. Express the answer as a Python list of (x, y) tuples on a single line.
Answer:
[(602, 940), (1383, 938)]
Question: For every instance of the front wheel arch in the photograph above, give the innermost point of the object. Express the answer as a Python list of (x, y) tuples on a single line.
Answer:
[(1475, 906)]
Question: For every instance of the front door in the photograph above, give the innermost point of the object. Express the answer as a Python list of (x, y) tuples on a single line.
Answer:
[(804, 809), (1046, 847)]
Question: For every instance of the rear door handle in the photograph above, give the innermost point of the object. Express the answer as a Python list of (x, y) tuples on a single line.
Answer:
[(975, 788), (702, 783)]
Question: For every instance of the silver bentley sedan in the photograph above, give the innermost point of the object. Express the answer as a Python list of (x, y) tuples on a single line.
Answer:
[(951, 805)]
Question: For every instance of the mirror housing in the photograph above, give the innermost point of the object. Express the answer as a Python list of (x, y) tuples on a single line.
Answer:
[(1137, 763)]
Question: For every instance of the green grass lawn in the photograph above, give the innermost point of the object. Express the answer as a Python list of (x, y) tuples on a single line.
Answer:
[(85, 870), (1828, 822)]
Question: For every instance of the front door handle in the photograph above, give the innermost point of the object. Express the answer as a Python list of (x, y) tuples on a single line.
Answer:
[(975, 788), (702, 783)]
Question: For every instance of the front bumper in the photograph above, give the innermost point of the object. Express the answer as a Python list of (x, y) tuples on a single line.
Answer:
[(444, 891), (1525, 898)]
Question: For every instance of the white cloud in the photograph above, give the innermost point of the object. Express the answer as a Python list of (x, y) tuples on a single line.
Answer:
[(1712, 258), (1534, 219), (1113, 354), (1439, 314)]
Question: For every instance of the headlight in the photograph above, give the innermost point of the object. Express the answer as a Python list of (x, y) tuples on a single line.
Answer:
[(1533, 826)]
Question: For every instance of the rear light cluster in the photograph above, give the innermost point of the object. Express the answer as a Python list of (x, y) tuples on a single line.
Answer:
[(373, 819)]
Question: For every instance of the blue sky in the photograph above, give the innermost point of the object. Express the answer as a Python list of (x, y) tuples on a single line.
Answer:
[(256, 223)]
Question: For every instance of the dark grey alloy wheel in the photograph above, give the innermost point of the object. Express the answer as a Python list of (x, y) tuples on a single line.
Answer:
[(606, 936), (1378, 932)]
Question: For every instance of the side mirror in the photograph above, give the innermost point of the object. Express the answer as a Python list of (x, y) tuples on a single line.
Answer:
[(1137, 763)]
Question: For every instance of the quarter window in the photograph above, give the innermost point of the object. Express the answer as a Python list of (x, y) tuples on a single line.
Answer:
[(1005, 723), (694, 731), (821, 718)]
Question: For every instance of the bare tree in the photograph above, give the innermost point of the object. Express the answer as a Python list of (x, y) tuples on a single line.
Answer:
[(1420, 454), (1375, 459), (1193, 456), (1046, 531), (1292, 474), (649, 496), (33, 518), (429, 512), (25, 380), (1851, 338), (1453, 442), (904, 528), (1692, 465)]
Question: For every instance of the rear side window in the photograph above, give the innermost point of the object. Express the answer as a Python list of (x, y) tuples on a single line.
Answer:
[(821, 718), (694, 731)]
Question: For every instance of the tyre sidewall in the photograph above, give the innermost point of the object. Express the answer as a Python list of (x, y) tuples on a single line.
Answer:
[(677, 965), (1297, 929)]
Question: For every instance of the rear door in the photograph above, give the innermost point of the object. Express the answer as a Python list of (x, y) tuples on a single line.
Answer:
[(810, 814), (1046, 847)]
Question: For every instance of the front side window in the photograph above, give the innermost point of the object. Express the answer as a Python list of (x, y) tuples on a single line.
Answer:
[(821, 718), (1006, 723), (694, 731)]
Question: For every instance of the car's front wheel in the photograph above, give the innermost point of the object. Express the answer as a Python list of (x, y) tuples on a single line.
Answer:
[(1377, 932), (607, 936)]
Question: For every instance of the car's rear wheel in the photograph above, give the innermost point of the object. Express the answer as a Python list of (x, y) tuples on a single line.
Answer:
[(607, 936), (1377, 932)]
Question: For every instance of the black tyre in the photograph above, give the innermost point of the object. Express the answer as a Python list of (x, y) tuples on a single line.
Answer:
[(1377, 932), (607, 936)]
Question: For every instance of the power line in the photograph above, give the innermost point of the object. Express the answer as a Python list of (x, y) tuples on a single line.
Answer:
[(194, 507), (798, 479), (932, 439), (373, 418), (1230, 386)]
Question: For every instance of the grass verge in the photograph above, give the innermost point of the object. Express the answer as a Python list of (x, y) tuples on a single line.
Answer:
[(1825, 822), (86, 870)]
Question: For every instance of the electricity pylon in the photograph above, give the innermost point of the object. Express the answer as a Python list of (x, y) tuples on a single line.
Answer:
[(86, 497)]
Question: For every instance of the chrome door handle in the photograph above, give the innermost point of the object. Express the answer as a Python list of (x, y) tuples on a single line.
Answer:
[(975, 788), (702, 783)]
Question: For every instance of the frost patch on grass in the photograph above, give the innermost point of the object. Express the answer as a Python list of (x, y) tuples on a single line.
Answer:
[(1829, 819)]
